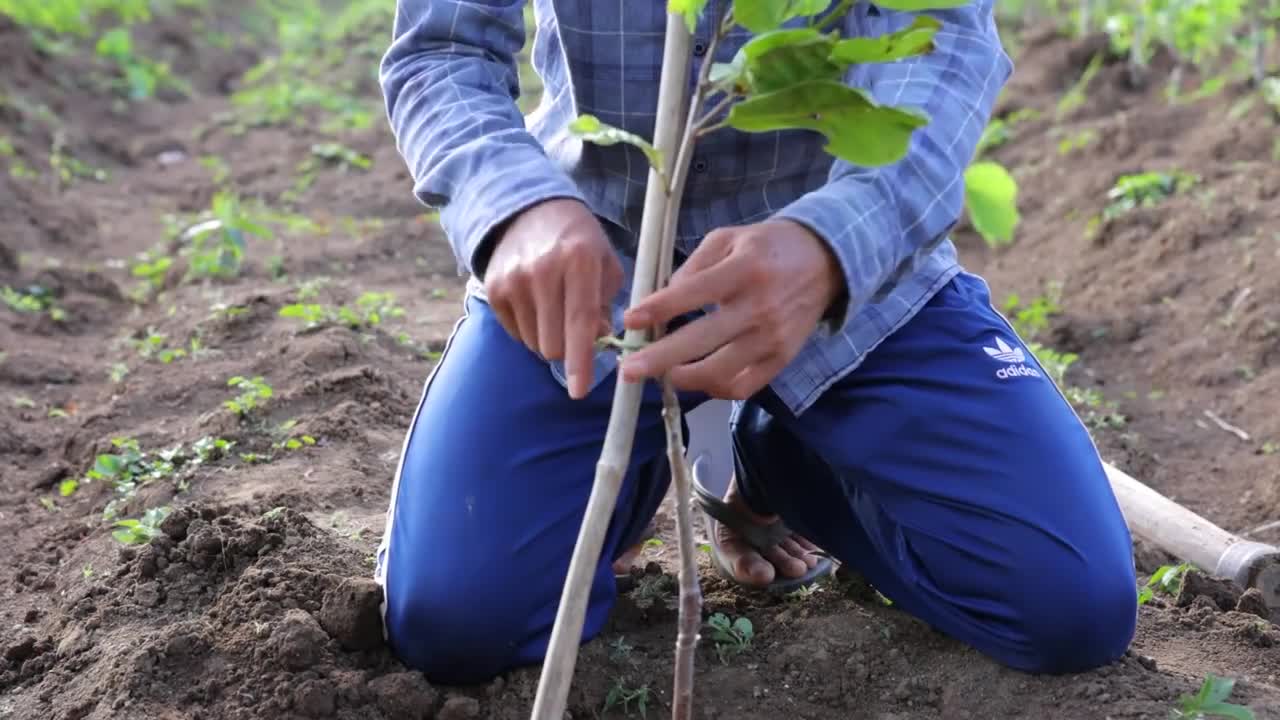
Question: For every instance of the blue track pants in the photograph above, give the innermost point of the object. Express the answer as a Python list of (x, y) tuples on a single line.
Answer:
[(963, 488)]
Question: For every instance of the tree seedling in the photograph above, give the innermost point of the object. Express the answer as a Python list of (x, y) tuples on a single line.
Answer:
[(783, 78)]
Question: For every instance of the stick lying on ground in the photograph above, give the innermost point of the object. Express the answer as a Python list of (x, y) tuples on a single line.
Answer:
[(1194, 539), (781, 79)]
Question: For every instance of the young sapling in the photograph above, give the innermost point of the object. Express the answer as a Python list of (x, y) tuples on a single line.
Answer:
[(788, 76)]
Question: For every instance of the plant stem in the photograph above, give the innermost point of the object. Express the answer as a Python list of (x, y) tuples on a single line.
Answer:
[(702, 127), (836, 14), (690, 611), (679, 175), (690, 618), (566, 633)]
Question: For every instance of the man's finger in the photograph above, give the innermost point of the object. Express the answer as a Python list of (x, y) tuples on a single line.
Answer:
[(548, 298), (709, 286), (688, 344), (734, 372), (581, 323), (506, 318), (526, 316), (714, 247)]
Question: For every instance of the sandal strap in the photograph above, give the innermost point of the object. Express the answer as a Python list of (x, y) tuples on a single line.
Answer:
[(760, 537)]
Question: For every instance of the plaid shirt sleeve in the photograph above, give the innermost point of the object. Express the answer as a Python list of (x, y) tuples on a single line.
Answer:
[(878, 220), (450, 82)]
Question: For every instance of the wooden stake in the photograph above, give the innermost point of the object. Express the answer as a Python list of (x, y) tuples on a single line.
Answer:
[(566, 633), (1193, 539)]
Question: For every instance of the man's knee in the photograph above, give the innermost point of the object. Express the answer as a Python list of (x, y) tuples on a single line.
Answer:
[(454, 628), (1080, 614)]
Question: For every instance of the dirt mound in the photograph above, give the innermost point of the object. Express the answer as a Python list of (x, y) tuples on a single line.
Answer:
[(248, 614)]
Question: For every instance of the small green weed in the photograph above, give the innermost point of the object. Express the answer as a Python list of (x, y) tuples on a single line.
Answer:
[(286, 440), (1211, 702), (620, 695), (252, 392), (1166, 579), (730, 637), (33, 300), (1145, 190), (130, 467), (328, 154), (69, 168), (152, 345), (1077, 141), (151, 267), (141, 76), (139, 531), (370, 310), (217, 244)]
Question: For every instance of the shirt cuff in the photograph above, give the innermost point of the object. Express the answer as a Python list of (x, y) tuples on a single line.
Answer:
[(477, 214)]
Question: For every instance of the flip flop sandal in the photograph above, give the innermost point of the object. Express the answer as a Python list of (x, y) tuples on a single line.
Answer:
[(760, 537)]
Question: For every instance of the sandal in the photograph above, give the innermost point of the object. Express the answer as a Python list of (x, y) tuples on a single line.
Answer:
[(760, 537)]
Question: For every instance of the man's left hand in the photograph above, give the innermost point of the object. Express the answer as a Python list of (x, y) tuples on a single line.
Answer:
[(772, 282)]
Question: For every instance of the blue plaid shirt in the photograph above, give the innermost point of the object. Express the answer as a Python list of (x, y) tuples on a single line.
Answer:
[(450, 82)]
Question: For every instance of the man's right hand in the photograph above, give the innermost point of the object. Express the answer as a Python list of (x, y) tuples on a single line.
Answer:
[(550, 280)]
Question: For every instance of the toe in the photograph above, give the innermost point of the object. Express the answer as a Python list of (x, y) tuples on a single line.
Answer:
[(786, 563), (748, 566), (796, 549)]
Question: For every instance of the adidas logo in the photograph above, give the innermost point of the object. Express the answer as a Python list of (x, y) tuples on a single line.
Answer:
[(1003, 352), (1012, 355)]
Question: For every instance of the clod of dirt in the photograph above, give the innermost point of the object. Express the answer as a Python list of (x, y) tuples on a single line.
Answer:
[(175, 523), (7, 259), (351, 613), (20, 650), (404, 695), (1222, 592), (50, 475), (315, 698), (459, 707), (1251, 602), (299, 641)]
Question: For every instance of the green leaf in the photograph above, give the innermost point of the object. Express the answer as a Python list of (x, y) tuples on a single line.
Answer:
[(857, 129), (589, 128), (690, 9), (915, 39), (760, 16), (919, 5), (781, 58), (1210, 701), (991, 195), (730, 75)]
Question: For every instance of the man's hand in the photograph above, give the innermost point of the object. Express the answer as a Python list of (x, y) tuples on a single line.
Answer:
[(772, 283), (550, 281)]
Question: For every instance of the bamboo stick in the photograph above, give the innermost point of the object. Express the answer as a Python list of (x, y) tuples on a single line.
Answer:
[(566, 633)]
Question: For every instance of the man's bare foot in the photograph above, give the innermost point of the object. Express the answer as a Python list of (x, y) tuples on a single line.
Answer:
[(622, 565), (793, 557)]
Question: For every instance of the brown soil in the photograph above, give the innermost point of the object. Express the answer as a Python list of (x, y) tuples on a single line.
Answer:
[(254, 600)]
